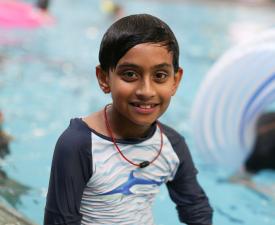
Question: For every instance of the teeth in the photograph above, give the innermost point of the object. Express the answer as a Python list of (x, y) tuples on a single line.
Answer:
[(144, 106)]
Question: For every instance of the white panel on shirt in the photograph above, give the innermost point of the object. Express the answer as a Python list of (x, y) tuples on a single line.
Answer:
[(119, 193)]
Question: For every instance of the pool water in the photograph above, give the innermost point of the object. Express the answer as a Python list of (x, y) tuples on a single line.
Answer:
[(47, 76)]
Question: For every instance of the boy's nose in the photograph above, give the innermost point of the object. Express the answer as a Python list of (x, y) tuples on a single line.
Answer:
[(145, 89)]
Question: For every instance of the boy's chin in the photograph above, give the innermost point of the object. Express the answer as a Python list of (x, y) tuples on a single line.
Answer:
[(144, 123)]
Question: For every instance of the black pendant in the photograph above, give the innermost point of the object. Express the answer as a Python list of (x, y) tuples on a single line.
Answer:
[(144, 164)]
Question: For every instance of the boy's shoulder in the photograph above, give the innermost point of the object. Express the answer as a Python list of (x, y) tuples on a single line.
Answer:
[(77, 127), (176, 140), (76, 135), (72, 151), (173, 135)]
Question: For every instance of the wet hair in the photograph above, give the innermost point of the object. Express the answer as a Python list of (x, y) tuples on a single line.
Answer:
[(132, 30)]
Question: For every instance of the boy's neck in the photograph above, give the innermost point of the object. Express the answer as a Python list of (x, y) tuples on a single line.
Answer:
[(121, 127)]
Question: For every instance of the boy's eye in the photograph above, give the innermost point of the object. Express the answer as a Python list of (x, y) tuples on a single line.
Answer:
[(161, 76), (129, 75)]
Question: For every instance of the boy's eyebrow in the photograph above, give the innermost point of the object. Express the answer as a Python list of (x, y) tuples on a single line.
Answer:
[(162, 65), (121, 66), (159, 66)]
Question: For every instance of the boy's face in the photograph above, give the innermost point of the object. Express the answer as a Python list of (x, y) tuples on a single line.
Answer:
[(142, 84)]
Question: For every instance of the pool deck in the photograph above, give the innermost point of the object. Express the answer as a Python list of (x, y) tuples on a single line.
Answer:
[(9, 216)]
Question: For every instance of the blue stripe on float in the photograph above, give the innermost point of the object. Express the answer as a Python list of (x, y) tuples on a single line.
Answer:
[(270, 97), (248, 105)]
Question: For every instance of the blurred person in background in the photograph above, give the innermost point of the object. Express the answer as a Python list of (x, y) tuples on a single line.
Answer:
[(43, 4), (263, 153), (262, 156)]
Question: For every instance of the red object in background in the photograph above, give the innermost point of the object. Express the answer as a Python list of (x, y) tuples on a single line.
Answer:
[(18, 14)]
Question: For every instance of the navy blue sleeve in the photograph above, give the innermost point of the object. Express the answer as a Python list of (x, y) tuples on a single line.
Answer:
[(71, 170), (191, 201)]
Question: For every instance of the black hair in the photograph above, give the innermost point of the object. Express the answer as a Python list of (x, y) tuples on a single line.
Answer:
[(43, 4), (263, 152), (132, 30)]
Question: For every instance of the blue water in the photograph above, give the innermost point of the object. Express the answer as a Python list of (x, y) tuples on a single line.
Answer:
[(47, 76)]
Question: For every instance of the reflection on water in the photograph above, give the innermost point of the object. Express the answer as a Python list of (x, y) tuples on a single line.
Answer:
[(11, 190)]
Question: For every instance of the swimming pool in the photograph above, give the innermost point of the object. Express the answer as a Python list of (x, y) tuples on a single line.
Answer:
[(47, 77)]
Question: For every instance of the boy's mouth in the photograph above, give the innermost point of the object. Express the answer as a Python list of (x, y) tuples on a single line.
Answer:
[(144, 106)]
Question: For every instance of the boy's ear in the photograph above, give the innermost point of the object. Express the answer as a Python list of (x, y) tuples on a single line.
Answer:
[(103, 80), (177, 78)]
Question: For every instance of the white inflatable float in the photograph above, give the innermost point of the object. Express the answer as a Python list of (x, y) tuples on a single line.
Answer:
[(239, 86)]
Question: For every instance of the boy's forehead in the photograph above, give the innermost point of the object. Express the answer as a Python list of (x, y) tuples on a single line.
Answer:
[(149, 46), (152, 52)]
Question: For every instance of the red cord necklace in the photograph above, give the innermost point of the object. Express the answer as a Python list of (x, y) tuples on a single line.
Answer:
[(142, 164)]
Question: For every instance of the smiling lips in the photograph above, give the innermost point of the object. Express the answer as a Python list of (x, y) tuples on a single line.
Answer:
[(144, 108)]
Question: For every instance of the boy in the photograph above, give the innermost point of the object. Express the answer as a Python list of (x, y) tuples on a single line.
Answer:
[(108, 166)]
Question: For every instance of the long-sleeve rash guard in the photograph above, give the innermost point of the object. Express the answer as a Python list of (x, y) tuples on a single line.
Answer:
[(90, 182)]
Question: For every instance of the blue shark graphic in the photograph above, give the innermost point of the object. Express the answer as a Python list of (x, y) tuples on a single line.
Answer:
[(125, 188)]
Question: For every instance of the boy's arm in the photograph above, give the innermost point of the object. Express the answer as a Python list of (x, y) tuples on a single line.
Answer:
[(192, 203), (71, 170)]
